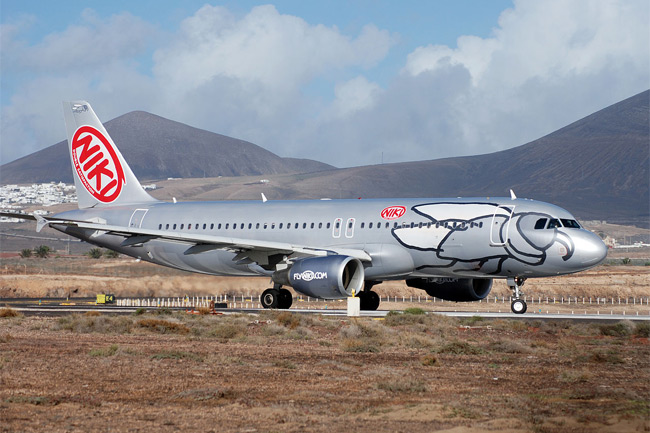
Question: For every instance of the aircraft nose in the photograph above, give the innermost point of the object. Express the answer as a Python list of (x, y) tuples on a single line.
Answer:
[(590, 250)]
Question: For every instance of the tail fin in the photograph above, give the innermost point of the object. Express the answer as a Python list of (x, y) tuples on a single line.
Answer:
[(101, 175)]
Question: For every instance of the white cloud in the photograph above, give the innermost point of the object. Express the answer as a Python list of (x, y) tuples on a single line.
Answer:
[(546, 64), (253, 77)]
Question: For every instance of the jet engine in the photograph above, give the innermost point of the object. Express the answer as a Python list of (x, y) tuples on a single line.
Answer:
[(331, 277), (453, 289)]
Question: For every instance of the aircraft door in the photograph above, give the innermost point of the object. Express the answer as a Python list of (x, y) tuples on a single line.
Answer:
[(500, 227), (336, 230), (137, 217), (349, 228)]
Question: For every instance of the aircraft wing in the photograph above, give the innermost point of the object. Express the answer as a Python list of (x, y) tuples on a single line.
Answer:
[(248, 249)]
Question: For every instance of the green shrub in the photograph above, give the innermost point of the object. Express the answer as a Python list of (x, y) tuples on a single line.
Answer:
[(110, 254), (25, 253), (403, 385), (95, 253), (106, 351), (43, 251), (460, 348), (642, 329), (619, 329)]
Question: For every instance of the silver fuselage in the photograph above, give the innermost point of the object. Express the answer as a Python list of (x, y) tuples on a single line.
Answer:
[(456, 238)]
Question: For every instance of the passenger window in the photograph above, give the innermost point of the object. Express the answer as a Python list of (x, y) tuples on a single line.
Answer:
[(312, 225), (554, 223), (257, 226), (159, 226), (573, 224), (379, 225), (420, 225), (320, 225), (204, 226), (363, 225), (219, 227), (166, 226), (265, 226), (182, 225), (369, 225), (280, 226), (212, 226), (174, 226), (227, 226), (328, 225), (295, 226), (272, 225), (304, 225), (394, 225), (250, 226), (196, 227)]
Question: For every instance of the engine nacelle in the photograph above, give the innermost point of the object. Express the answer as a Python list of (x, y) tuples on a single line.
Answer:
[(453, 289), (331, 277)]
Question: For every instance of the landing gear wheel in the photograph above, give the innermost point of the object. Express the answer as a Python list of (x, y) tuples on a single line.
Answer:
[(270, 298), (369, 300), (372, 301), (285, 299), (518, 306)]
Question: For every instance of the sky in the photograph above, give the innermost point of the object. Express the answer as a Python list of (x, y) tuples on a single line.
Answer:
[(348, 83)]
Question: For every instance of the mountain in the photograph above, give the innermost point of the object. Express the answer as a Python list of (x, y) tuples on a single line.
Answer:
[(158, 148), (596, 168)]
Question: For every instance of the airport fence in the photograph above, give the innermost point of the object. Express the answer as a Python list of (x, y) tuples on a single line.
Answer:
[(252, 301)]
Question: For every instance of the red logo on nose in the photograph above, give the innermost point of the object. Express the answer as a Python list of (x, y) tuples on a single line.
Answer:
[(97, 164), (393, 212)]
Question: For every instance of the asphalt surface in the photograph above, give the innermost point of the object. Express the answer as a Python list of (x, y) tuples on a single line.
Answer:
[(62, 306)]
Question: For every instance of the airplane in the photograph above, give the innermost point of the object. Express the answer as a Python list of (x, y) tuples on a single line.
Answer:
[(452, 248)]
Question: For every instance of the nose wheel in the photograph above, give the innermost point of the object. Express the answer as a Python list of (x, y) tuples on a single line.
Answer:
[(518, 305)]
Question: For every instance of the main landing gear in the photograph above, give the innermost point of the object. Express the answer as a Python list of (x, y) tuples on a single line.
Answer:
[(518, 305), (277, 297), (368, 300)]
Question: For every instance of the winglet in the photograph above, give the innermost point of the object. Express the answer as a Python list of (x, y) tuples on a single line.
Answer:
[(264, 199), (512, 195), (40, 223)]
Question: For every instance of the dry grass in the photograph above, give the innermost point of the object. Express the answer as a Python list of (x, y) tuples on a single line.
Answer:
[(163, 326), (9, 312), (340, 374)]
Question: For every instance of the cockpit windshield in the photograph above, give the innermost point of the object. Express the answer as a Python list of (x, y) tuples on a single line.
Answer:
[(554, 223), (572, 224)]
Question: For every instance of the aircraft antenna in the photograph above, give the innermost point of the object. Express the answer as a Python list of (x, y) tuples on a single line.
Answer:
[(264, 199), (512, 195)]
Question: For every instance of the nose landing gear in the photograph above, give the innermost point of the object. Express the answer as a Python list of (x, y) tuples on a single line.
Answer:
[(518, 305)]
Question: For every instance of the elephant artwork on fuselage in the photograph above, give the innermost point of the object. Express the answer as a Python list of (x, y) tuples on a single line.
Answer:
[(482, 237)]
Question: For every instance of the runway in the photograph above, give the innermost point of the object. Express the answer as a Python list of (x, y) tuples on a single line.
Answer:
[(58, 307)]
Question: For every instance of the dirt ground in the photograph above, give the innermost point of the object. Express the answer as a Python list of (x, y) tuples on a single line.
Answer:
[(284, 372)]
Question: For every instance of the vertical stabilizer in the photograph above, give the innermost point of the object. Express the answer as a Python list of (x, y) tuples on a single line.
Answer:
[(101, 175)]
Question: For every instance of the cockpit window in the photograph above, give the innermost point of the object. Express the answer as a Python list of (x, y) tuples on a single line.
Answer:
[(572, 224), (540, 224), (554, 223)]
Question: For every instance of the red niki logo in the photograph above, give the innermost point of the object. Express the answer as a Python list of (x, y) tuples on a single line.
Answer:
[(393, 212), (97, 164)]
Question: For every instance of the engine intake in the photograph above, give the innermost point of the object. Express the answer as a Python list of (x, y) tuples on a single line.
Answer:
[(331, 277), (453, 289)]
